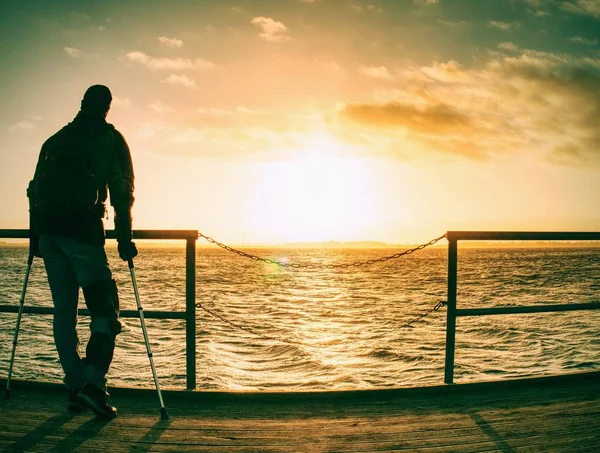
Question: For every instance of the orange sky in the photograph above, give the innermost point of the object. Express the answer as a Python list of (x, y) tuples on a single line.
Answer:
[(275, 121)]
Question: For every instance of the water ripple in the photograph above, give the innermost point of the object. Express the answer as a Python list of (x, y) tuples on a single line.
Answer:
[(339, 328)]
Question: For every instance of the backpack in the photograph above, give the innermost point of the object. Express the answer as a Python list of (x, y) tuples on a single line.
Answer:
[(65, 186)]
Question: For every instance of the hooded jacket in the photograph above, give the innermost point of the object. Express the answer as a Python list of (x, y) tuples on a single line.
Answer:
[(110, 162)]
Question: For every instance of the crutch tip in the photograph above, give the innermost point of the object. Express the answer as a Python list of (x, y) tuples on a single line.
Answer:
[(163, 413), (7, 394)]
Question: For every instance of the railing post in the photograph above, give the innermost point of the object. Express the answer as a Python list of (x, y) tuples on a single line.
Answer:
[(190, 312), (451, 310)]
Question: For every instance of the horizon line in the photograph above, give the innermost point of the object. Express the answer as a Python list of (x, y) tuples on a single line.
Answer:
[(333, 244)]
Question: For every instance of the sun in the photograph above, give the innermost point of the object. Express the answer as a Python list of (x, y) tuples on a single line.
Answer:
[(320, 195)]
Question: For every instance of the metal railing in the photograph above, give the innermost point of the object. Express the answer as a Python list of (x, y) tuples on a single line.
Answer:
[(453, 312), (190, 236), (189, 315)]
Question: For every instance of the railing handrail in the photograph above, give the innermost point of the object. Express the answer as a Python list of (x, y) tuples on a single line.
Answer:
[(190, 236), (453, 312), (189, 315), (111, 234), (523, 235)]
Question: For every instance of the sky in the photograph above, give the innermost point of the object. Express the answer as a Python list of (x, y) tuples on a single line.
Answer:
[(270, 121)]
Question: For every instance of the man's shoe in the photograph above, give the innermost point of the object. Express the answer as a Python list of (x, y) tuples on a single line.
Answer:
[(96, 399), (73, 403)]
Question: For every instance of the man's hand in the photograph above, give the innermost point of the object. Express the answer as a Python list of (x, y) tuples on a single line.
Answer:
[(127, 250)]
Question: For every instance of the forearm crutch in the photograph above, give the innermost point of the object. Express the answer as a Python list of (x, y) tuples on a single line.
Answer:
[(20, 313), (163, 410)]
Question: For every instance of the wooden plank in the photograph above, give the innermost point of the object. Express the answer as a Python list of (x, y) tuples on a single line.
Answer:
[(405, 423), (561, 416), (133, 434)]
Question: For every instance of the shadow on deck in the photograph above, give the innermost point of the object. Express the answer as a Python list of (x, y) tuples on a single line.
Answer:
[(559, 413)]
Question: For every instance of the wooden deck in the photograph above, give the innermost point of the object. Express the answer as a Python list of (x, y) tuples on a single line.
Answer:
[(559, 414)]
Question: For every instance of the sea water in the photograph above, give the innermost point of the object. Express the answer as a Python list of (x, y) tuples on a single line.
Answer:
[(283, 329)]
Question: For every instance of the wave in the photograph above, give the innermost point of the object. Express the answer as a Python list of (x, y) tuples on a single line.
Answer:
[(331, 329)]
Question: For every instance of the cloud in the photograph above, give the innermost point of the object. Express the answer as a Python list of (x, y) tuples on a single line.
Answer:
[(329, 67), (170, 42), (571, 99), (538, 7), (160, 108), (445, 71), (591, 61), (533, 59), (120, 102), (238, 143), (502, 25), (247, 111), (210, 140), (75, 53), (22, 126), (507, 46), (587, 7), (270, 30), (539, 12), (537, 104), (360, 8), (240, 117), (433, 119), (215, 113), (586, 41), (173, 64), (379, 72), (453, 23), (535, 3), (182, 80), (226, 132)]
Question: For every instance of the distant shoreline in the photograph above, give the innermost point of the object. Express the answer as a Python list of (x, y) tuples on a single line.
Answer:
[(360, 245)]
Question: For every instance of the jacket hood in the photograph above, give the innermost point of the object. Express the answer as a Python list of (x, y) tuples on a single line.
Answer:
[(90, 123)]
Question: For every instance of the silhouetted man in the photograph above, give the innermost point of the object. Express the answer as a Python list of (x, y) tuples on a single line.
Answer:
[(76, 168)]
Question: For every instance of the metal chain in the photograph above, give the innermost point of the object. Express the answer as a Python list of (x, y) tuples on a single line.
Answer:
[(246, 329), (321, 266), (439, 305), (313, 266)]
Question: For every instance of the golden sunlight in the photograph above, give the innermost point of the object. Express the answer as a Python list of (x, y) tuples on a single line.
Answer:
[(318, 196)]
